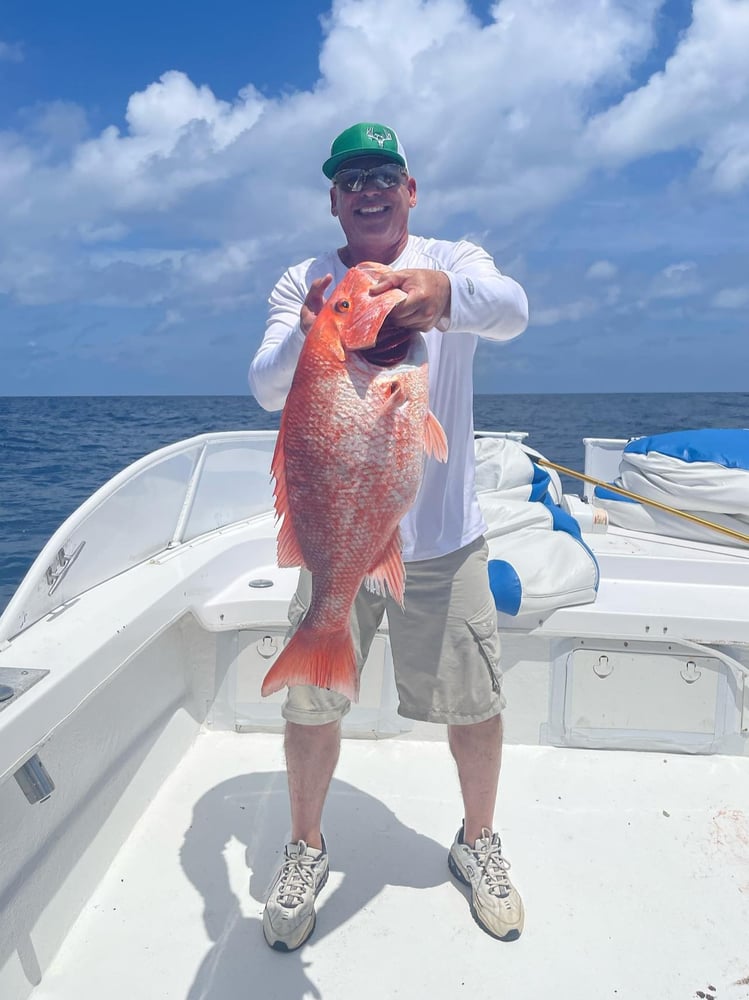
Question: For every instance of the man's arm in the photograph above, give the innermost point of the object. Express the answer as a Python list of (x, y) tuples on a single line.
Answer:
[(466, 294), (293, 309), (483, 300)]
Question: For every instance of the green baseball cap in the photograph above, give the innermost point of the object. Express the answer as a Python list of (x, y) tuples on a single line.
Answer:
[(364, 139)]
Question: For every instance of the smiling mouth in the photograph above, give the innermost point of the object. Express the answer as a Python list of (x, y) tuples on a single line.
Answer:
[(372, 210)]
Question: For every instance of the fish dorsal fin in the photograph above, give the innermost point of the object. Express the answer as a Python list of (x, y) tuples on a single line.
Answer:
[(435, 439), (288, 550), (389, 571)]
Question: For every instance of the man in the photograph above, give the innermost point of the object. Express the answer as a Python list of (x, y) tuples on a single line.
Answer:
[(445, 646)]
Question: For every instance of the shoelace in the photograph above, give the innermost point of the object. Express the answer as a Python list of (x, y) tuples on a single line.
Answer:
[(488, 854), (296, 877)]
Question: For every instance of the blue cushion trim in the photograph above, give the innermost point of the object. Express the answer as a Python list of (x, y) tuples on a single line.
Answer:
[(603, 494), (506, 587), (562, 521), (540, 483), (728, 447)]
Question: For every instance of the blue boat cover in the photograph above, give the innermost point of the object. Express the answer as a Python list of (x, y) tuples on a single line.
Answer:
[(728, 447), (704, 473)]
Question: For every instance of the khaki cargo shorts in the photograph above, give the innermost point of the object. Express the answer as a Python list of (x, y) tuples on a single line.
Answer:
[(445, 644)]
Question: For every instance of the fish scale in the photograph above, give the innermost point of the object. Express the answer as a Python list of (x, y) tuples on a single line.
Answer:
[(348, 465)]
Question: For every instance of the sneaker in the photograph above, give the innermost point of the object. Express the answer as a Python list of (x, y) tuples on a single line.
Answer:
[(289, 916), (495, 902)]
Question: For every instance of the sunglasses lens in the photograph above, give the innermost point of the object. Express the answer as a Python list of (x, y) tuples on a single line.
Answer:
[(387, 176), (353, 179), (350, 180)]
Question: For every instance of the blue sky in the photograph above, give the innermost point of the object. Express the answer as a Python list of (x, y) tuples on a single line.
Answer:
[(160, 166)]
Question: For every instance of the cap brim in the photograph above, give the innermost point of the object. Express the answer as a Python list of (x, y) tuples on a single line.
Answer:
[(332, 164)]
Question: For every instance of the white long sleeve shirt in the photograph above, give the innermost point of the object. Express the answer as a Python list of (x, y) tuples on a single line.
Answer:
[(484, 303)]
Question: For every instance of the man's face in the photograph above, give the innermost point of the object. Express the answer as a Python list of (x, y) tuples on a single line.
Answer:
[(374, 216)]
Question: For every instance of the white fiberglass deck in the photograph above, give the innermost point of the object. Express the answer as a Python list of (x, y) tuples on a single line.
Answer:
[(634, 868)]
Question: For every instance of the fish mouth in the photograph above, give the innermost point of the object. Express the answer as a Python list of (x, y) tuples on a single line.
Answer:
[(391, 348)]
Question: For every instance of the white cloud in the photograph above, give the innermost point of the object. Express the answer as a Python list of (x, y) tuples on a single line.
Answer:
[(175, 143), (502, 104), (569, 312), (601, 270), (55, 127), (732, 298), (700, 100), (11, 52), (726, 157), (111, 233), (676, 281), (612, 295), (172, 317), (197, 202)]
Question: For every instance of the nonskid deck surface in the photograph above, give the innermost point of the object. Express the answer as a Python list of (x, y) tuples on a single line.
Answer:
[(634, 869)]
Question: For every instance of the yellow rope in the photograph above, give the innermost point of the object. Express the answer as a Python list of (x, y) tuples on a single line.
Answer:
[(653, 503)]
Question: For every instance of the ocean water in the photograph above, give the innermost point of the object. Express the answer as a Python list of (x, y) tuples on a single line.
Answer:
[(55, 451)]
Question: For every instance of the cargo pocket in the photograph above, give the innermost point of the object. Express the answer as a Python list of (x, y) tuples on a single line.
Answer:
[(484, 629), (300, 602)]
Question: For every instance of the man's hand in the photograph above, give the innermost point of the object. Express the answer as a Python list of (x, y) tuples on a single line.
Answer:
[(427, 297), (314, 302)]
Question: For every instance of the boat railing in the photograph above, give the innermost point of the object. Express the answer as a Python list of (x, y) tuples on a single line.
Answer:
[(161, 501), (602, 458)]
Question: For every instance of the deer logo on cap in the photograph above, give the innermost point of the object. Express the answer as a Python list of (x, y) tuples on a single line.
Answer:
[(379, 137)]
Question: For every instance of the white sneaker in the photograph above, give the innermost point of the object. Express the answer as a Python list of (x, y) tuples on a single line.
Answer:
[(495, 902), (289, 915)]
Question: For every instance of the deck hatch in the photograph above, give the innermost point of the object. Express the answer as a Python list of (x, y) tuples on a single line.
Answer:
[(627, 695)]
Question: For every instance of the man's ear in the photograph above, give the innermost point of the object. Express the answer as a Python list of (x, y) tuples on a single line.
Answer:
[(411, 183), (333, 202)]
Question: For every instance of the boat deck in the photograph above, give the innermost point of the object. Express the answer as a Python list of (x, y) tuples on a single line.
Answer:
[(634, 869)]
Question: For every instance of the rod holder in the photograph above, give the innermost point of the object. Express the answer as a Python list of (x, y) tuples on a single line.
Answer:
[(34, 781)]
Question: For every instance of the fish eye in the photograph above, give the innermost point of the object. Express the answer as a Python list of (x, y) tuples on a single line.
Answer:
[(342, 306)]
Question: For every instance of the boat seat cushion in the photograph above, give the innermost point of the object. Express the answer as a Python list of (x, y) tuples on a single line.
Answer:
[(537, 558)]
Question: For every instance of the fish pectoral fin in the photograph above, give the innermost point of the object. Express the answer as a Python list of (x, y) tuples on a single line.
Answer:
[(288, 550), (394, 397), (389, 571), (435, 439)]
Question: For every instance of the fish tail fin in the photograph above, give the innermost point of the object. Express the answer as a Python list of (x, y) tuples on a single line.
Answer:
[(327, 661), (435, 439)]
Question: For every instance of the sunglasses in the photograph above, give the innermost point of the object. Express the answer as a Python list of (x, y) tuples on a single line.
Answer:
[(353, 179)]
